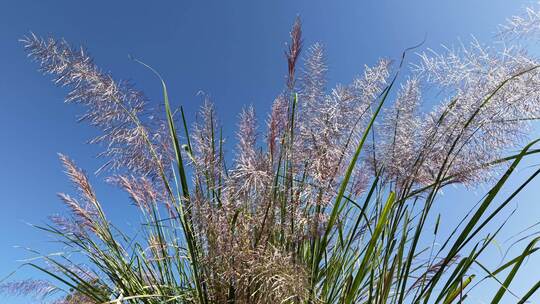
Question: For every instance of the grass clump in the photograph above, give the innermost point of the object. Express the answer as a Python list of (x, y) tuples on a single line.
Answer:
[(330, 206)]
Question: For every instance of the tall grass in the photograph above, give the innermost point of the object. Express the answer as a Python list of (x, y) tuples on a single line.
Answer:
[(331, 206)]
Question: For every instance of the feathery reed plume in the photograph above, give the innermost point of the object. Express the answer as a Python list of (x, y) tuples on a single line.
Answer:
[(313, 77), (79, 179), (39, 289), (330, 125), (207, 160), (84, 216), (68, 226), (276, 123), (493, 94), (293, 52), (113, 106), (521, 26), (251, 174), (85, 212), (140, 190), (401, 129)]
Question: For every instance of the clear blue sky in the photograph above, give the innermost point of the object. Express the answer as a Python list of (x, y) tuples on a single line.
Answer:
[(233, 50)]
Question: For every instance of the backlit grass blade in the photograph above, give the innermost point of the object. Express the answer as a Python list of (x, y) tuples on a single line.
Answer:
[(184, 212), (512, 274)]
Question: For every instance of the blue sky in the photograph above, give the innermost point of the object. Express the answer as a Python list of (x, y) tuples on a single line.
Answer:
[(232, 50)]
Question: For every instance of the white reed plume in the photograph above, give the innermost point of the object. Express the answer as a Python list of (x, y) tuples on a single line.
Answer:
[(251, 172), (114, 107), (400, 131), (490, 97)]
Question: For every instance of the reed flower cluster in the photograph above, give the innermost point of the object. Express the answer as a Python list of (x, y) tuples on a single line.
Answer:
[(326, 204)]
